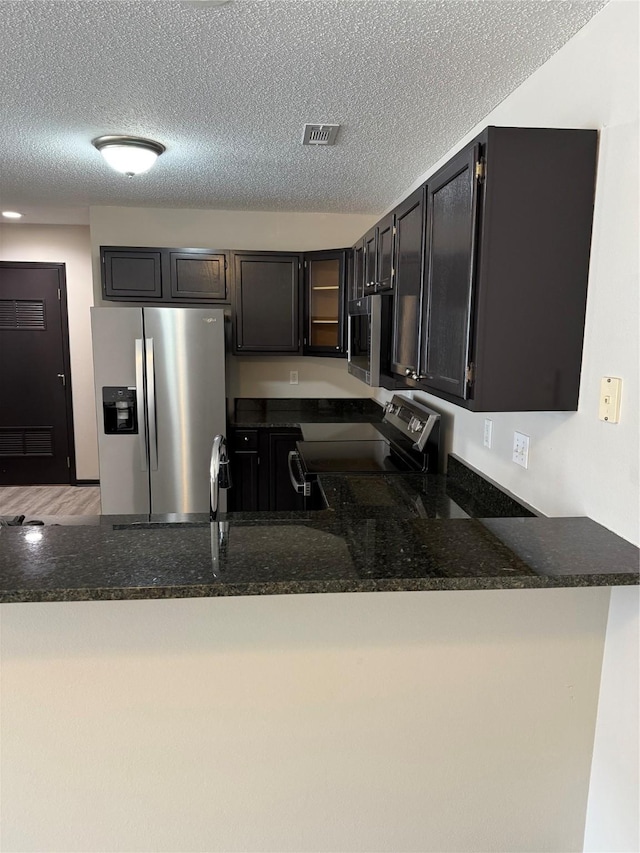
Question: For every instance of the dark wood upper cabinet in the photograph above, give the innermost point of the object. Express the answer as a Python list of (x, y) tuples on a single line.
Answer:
[(267, 315), (384, 252), (176, 276), (198, 275), (508, 237), (324, 297), (370, 259), (356, 281), (133, 274), (408, 266), (451, 227)]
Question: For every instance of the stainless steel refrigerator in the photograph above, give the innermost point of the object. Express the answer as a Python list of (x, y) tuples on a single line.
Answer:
[(160, 399)]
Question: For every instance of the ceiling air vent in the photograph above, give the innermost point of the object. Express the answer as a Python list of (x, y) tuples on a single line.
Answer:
[(320, 134)]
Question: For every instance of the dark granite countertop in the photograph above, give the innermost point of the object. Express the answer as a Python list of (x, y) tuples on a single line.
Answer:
[(253, 413), (402, 532), (379, 533)]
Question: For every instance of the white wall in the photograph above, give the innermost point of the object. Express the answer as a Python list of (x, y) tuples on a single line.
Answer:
[(452, 721), (317, 378), (224, 229), (579, 465), (613, 813), (70, 245)]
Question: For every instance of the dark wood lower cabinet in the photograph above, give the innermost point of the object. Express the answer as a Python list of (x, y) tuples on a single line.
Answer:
[(260, 471), (243, 496)]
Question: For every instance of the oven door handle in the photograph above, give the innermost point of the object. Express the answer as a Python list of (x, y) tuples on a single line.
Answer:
[(302, 488)]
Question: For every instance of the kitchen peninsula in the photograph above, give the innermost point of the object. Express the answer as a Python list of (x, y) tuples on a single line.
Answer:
[(385, 533)]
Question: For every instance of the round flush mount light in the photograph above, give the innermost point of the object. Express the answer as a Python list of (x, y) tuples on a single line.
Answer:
[(130, 155), (11, 214)]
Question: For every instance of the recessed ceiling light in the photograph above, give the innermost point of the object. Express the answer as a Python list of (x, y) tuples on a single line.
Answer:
[(11, 214), (130, 155)]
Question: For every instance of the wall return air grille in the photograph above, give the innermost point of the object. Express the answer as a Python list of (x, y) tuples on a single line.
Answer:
[(320, 134), (26, 314), (26, 441)]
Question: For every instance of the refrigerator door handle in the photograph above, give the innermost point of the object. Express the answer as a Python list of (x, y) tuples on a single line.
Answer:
[(151, 406), (142, 429)]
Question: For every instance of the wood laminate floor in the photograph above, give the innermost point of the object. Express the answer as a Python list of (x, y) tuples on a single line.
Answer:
[(49, 500)]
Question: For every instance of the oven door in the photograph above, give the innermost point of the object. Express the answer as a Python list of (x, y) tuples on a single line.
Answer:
[(305, 484)]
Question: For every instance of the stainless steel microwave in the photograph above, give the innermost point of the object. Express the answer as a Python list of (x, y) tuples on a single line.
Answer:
[(368, 335)]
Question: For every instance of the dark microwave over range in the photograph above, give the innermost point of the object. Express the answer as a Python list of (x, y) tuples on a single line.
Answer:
[(480, 278)]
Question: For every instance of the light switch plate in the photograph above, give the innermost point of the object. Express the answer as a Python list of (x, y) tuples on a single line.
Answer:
[(610, 392), (488, 432), (293, 377)]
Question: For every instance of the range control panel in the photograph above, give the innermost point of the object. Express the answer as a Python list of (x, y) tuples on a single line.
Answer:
[(413, 419)]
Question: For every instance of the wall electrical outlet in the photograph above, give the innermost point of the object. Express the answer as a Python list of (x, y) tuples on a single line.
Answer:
[(293, 377), (521, 449), (488, 432)]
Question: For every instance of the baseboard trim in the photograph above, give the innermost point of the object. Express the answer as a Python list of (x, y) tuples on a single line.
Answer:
[(87, 483)]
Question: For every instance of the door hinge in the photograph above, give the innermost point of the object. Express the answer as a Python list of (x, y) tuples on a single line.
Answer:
[(68, 462), (59, 295), (305, 264), (394, 230), (393, 272), (470, 373), (62, 379), (480, 171)]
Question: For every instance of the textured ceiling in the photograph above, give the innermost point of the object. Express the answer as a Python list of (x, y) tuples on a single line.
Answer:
[(228, 90)]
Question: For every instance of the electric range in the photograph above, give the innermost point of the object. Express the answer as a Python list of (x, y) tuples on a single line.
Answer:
[(406, 440)]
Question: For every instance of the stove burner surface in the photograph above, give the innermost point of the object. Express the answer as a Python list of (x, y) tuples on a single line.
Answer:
[(324, 457), (340, 432)]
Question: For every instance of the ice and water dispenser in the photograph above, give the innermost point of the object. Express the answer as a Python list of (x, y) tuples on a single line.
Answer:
[(119, 410)]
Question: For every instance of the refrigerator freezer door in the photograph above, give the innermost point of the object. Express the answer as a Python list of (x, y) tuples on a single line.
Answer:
[(124, 480), (185, 367)]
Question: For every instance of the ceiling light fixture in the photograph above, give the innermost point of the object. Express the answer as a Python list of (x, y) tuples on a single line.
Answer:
[(205, 4), (130, 155), (11, 214)]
